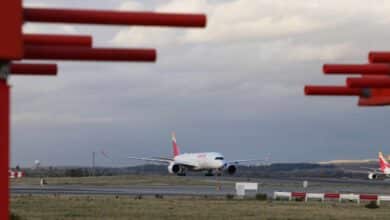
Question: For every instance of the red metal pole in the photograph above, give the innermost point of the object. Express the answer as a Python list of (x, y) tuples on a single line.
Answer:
[(4, 148), (114, 17), (33, 69), (332, 91), (367, 82), (57, 40), (379, 57), (374, 101), (88, 54), (371, 69)]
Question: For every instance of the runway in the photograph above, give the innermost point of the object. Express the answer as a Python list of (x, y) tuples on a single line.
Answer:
[(133, 190), (214, 188)]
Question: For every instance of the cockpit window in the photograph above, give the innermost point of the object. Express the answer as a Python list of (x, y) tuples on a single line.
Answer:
[(219, 158)]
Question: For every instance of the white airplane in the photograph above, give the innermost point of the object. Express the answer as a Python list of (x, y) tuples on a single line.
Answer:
[(384, 168), (207, 161)]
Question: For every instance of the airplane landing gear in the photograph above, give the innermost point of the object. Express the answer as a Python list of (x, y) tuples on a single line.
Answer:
[(209, 173), (182, 171)]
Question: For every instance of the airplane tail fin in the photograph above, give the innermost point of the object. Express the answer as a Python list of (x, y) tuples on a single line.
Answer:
[(176, 150), (383, 162)]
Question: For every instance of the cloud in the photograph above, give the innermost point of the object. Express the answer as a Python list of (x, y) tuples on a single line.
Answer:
[(239, 82), (240, 20), (49, 29), (131, 6), (298, 53)]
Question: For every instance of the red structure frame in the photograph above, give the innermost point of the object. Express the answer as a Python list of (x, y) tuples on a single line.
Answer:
[(57, 40), (16, 46), (372, 88)]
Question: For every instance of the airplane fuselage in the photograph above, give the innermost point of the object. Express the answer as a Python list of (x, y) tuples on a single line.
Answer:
[(202, 161), (386, 171)]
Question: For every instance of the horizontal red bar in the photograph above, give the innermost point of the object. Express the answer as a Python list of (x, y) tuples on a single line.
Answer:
[(88, 54), (33, 69), (298, 194), (332, 195), (379, 57), (57, 40), (367, 82), (372, 69), (374, 101), (368, 197), (332, 91), (114, 17)]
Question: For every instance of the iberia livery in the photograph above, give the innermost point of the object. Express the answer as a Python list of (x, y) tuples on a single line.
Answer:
[(384, 168), (212, 162)]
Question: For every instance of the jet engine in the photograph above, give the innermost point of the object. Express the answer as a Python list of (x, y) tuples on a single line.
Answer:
[(231, 169), (372, 176), (175, 168)]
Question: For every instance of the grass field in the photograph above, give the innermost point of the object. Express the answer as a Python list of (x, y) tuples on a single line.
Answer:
[(144, 180), (111, 207)]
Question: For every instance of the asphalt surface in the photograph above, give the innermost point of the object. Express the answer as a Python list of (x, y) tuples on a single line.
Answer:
[(267, 186), (134, 190)]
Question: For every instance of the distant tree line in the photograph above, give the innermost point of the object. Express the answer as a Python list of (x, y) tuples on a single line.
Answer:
[(274, 170)]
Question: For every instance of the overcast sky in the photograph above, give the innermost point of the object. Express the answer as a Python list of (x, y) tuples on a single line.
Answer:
[(235, 87)]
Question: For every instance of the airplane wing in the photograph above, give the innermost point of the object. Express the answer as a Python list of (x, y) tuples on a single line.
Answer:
[(163, 160), (152, 159), (244, 161), (374, 170), (236, 162)]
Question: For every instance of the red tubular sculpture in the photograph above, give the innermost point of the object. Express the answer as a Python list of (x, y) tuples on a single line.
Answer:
[(372, 69), (374, 101), (33, 69), (379, 57), (332, 91), (11, 32), (114, 17), (57, 40), (4, 149), (367, 82), (89, 54), (14, 46)]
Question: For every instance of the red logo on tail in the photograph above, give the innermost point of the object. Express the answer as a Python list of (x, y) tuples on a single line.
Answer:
[(383, 163), (176, 150)]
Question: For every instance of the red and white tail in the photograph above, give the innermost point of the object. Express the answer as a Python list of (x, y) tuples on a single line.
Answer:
[(383, 162), (176, 150)]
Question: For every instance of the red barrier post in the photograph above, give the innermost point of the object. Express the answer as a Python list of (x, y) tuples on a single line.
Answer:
[(367, 82), (4, 147), (33, 69), (371, 69), (113, 17), (88, 54), (332, 91), (57, 40)]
